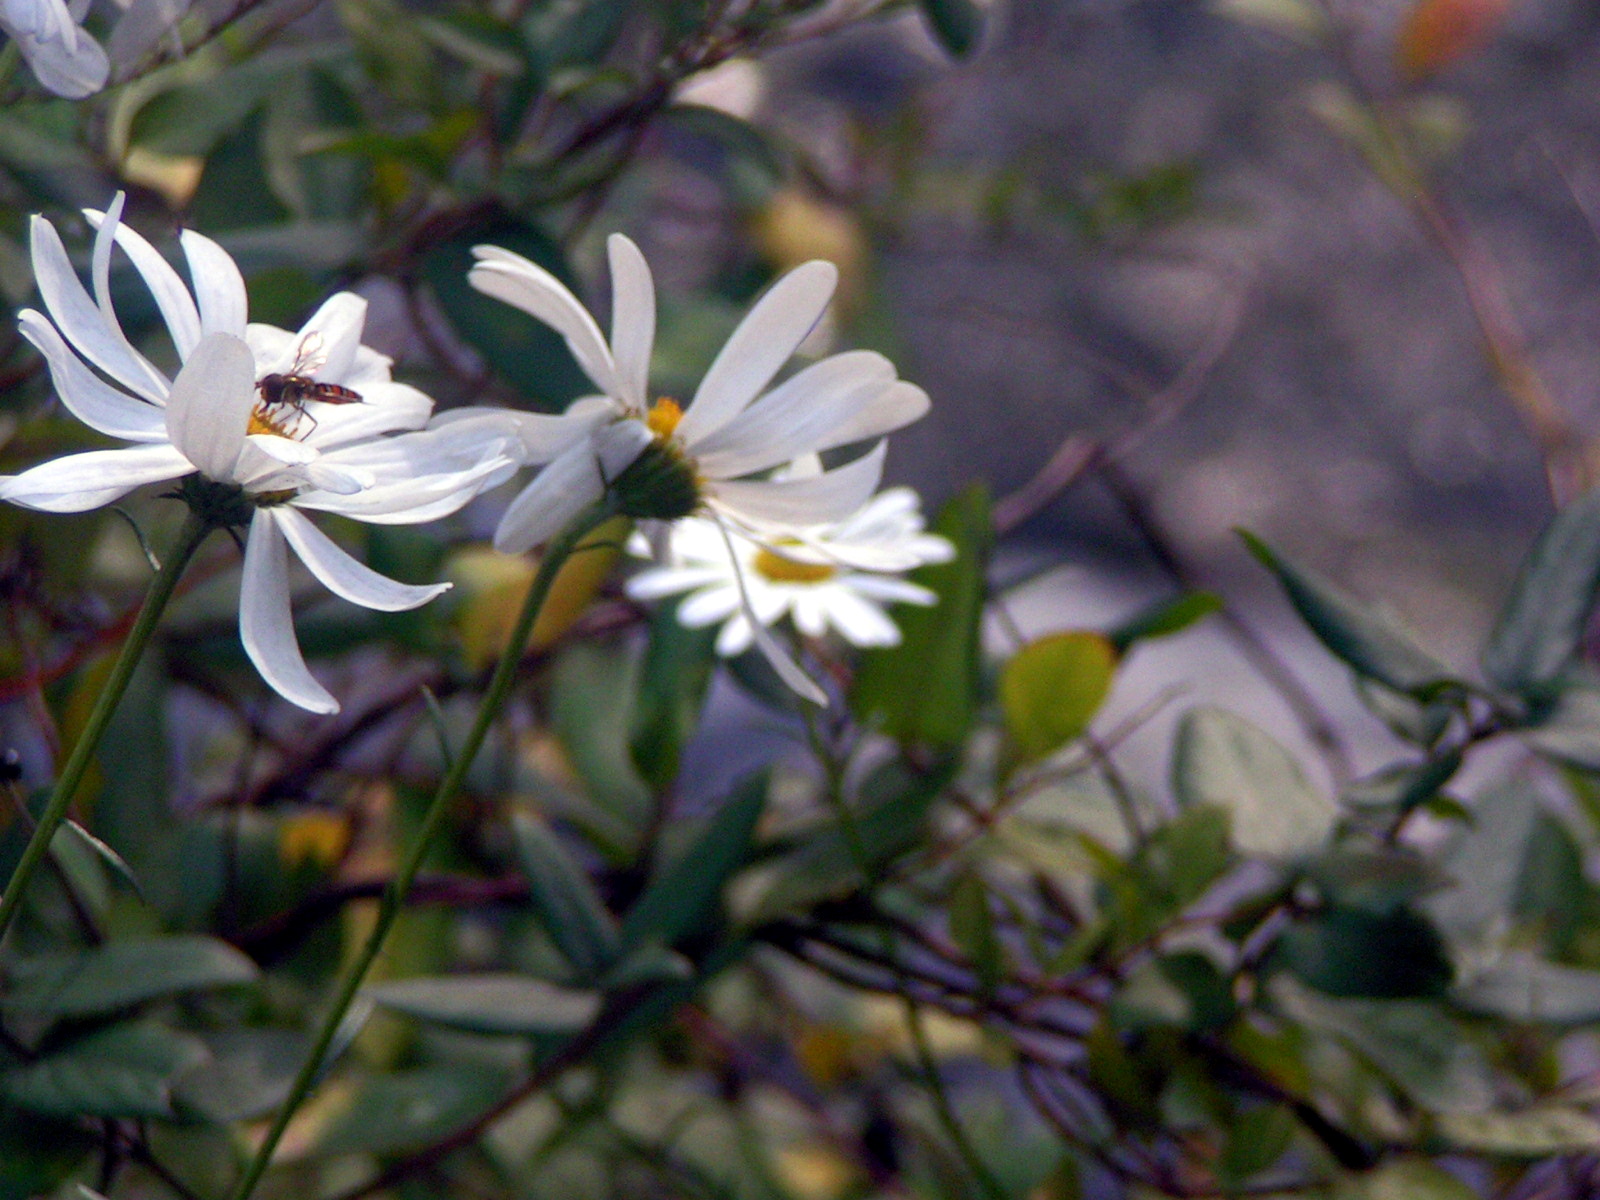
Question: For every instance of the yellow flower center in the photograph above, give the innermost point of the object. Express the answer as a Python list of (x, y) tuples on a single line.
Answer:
[(663, 417), (260, 422), (771, 565)]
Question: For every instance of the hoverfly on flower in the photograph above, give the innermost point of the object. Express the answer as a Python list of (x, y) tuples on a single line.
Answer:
[(293, 388)]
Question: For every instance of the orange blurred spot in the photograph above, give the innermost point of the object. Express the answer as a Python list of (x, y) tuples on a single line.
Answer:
[(1440, 32)]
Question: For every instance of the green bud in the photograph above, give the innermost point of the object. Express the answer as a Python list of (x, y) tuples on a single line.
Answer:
[(659, 485)]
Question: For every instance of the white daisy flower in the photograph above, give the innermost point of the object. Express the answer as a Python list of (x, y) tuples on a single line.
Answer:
[(64, 59), (815, 579), (285, 422), (729, 433)]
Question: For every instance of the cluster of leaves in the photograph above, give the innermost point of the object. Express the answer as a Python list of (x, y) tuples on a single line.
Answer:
[(944, 947)]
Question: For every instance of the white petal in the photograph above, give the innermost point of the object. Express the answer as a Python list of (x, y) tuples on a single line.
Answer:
[(541, 435), (526, 285), (710, 606), (616, 445), (266, 624), (843, 399), (892, 589), (735, 637), (383, 408), (669, 581), (810, 611), (65, 59), (823, 499), (633, 319), (209, 407), (171, 296), (79, 482), (335, 332), (762, 343), (788, 670), (861, 622), (283, 449), (92, 333), (557, 494), (343, 575), (411, 501), (88, 397), (218, 285)]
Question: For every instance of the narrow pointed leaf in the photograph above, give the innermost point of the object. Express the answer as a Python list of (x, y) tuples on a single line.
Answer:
[(563, 899)]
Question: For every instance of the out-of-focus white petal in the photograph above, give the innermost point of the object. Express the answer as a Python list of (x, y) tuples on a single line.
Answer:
[(526, 285), (765, 340), (94, 334), (633, 319), (788, 670), (413, 501), (823, 499), (218, 285), (343, 575), (79, 482), (709, 606), (65, 59), (208, 409), (860, 621), (171, 296), (892, 590), (558, 493), (669, 581), (266, 622), (88, 397)]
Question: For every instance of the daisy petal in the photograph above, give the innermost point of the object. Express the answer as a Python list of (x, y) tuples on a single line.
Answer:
[(526, 285), (765, 340), (542, 435), (266, 623), (171, 296), (79, 482), (557, 494), (860, 621), (65, 60), (708, 607), (335, 332), (633, 319), (892, 590), (208, 409), (817, 409), (89, 398), (818, 500), (80, 319), (218, 285), (343, 575), (669, 581)]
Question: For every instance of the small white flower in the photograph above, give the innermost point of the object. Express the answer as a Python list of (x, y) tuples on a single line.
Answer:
[(293, 421), (732, 429), (817, 579), (65, 59)]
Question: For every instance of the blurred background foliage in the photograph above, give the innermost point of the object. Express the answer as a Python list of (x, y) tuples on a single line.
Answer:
[(1103, 883)]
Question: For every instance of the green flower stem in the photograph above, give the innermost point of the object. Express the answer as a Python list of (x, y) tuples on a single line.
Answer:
[(394, 894), (194, 532)]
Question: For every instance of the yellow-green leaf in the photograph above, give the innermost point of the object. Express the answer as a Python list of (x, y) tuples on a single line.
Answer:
[(1052, 688)]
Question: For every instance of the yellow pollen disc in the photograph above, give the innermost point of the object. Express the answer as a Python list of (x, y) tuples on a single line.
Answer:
[(261, 423), (663, 417), (786, 570)]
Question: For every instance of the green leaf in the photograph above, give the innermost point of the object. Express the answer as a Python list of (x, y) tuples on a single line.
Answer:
[(528, 354), (1184, 990), (673, 677), (1569, 731), (121, 974), (973, 931), (103, 852), (958, 24), (503, 1004), (563, 898), (1257, 1138), (682, 895), (1164, 618), (393, 1114), (1529, 990), (1415, 1044), (1222, 760), (593, 727), (925, 690), (1370, 644), (1353, 952), (123, 1071), (1538, 632), (247, 1074), (38, 1155), (1532, 1133), (1406, 1179), (1484, 862), (235, 190), (751, 168), (1051, 689)]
